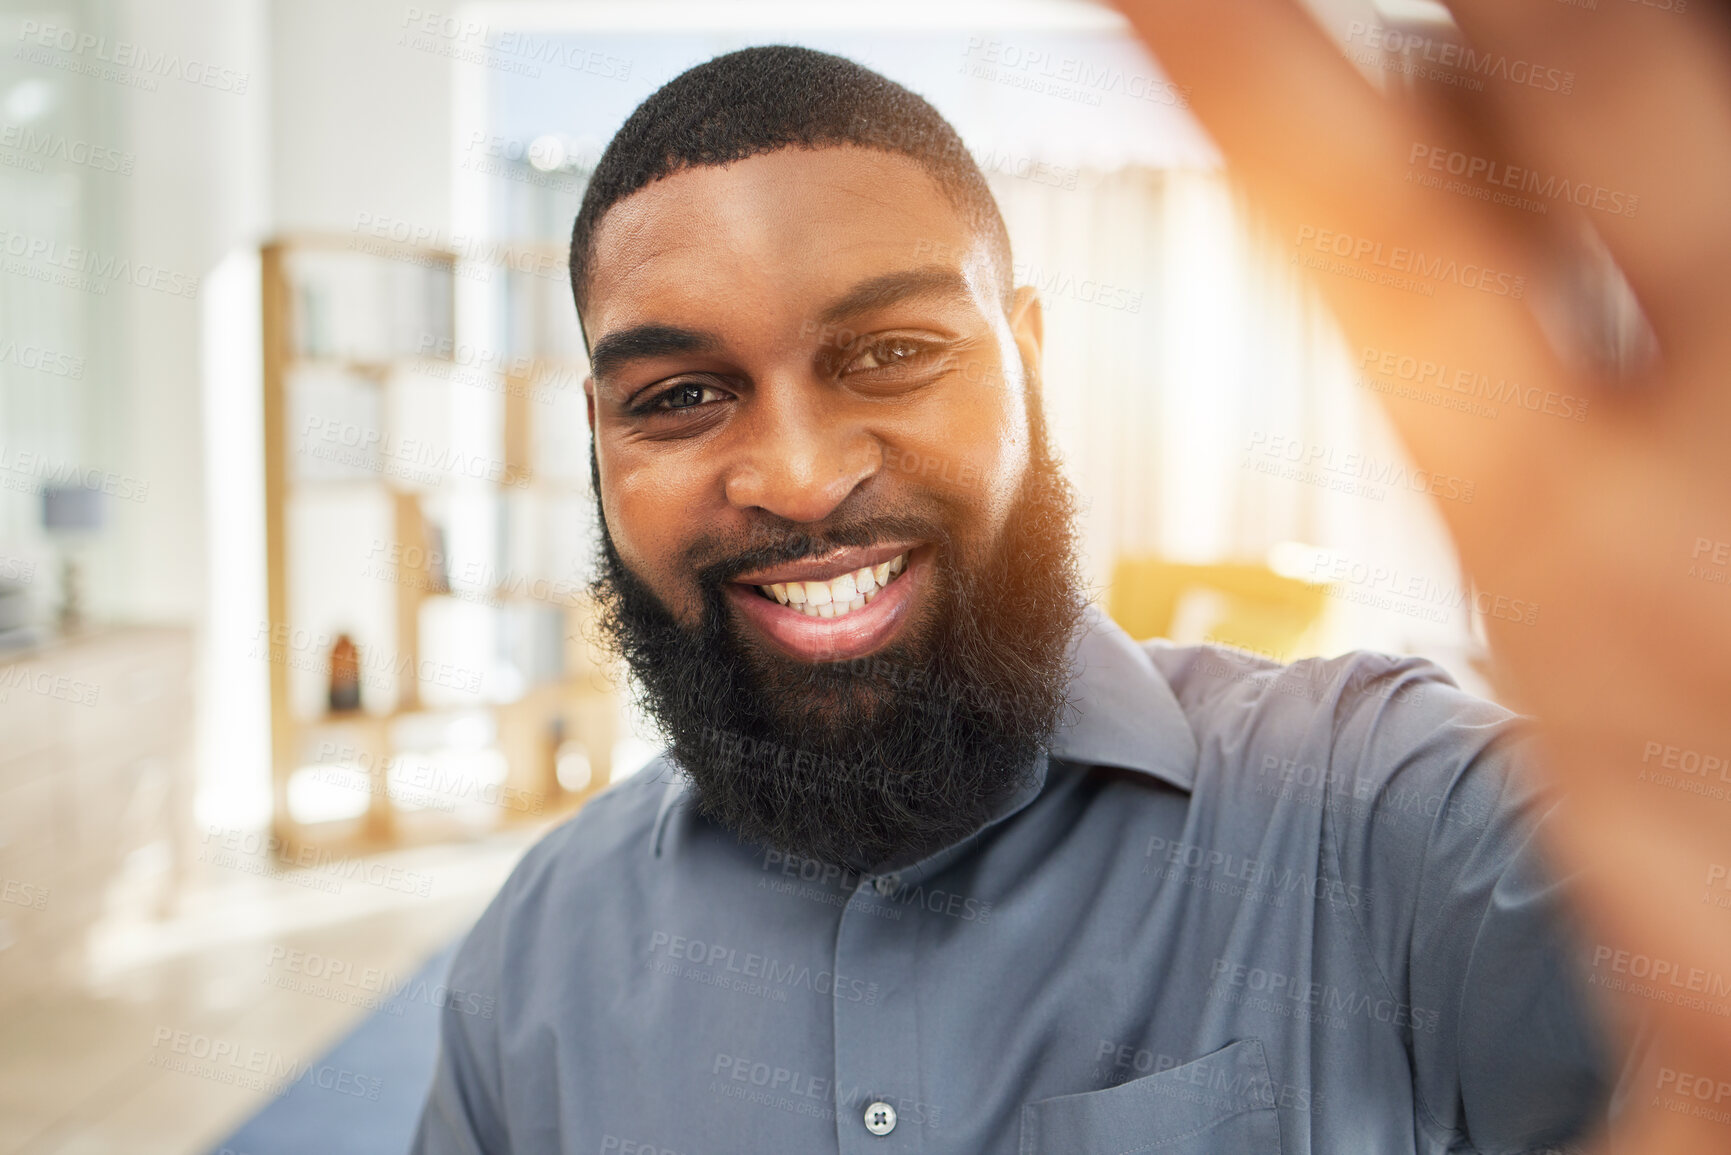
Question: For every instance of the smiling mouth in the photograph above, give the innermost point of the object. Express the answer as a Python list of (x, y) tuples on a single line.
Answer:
[(838, 596)]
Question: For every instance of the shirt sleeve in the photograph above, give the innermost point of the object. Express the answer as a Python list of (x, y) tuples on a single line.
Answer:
[(1434, 812), (463, 1114)]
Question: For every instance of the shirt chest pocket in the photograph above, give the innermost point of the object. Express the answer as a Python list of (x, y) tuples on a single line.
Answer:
[(1220, 1104)]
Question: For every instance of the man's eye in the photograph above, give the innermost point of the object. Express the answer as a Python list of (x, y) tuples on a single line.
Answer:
[(884, 354), (688, 395)]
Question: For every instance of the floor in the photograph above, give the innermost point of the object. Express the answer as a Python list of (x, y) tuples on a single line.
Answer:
[(127, 1056)]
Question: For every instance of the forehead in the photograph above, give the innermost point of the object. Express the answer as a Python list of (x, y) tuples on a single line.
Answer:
[(765, 237)]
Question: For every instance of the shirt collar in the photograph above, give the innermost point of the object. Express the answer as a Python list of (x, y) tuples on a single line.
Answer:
[(1123, 713)]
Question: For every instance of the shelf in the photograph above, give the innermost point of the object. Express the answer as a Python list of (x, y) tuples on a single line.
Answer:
[(359, 349)]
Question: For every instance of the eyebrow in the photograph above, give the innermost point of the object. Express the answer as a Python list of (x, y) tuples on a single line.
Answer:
[(889, 288), (616, 350)]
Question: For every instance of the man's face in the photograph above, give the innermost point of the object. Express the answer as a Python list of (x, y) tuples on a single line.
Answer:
[(803, 340), (837, 554)]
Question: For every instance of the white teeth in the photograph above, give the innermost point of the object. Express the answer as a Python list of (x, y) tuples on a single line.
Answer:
[(839, 596)]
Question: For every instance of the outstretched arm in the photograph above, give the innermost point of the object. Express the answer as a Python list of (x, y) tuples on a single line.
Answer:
[(1617, 526)]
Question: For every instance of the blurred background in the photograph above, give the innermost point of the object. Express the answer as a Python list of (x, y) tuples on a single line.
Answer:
[(295, 523)]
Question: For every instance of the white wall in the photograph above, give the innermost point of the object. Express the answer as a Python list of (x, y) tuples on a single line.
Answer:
[(197, 189), (361, 123)]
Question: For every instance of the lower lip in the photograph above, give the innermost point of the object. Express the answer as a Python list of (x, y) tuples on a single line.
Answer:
[(833, 639)]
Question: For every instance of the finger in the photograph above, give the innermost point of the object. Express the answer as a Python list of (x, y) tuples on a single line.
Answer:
[(1641, 138)]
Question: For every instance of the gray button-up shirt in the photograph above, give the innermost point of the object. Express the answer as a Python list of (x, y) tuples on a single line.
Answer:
[(1245, 909)]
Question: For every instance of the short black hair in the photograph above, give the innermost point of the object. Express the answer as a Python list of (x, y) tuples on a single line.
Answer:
[(765, 99)]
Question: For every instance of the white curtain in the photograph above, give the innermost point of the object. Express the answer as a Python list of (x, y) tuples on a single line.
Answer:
[(1183, 352)]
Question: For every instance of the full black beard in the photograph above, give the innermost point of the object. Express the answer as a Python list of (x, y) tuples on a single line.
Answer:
[(877, 761)]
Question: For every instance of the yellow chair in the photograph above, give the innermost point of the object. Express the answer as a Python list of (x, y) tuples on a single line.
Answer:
[(1240, 604)]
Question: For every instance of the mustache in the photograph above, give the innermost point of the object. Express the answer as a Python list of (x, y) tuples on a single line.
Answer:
[(717, 561)]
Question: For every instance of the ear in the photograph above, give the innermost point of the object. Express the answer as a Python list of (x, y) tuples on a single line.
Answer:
[(1028, 325), (589, 402)]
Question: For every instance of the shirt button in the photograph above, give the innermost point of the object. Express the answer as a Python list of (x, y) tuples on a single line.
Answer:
[(885, 884), (880, 1118)]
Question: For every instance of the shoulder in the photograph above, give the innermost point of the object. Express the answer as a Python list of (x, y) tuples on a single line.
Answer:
[(1218, 685), (1359, 729)]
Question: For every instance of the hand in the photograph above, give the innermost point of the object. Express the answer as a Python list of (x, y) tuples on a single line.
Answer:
[(1617, 525)]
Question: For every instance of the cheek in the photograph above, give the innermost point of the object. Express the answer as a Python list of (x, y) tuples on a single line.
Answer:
[(988, 434), (648, 501)]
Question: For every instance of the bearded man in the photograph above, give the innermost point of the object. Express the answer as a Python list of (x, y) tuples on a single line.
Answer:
[(937, 859)]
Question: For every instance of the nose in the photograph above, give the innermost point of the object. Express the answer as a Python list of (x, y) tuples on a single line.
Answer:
[(804, 453)]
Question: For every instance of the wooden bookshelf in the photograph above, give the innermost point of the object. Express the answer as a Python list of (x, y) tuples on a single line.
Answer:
[(370, 420)]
